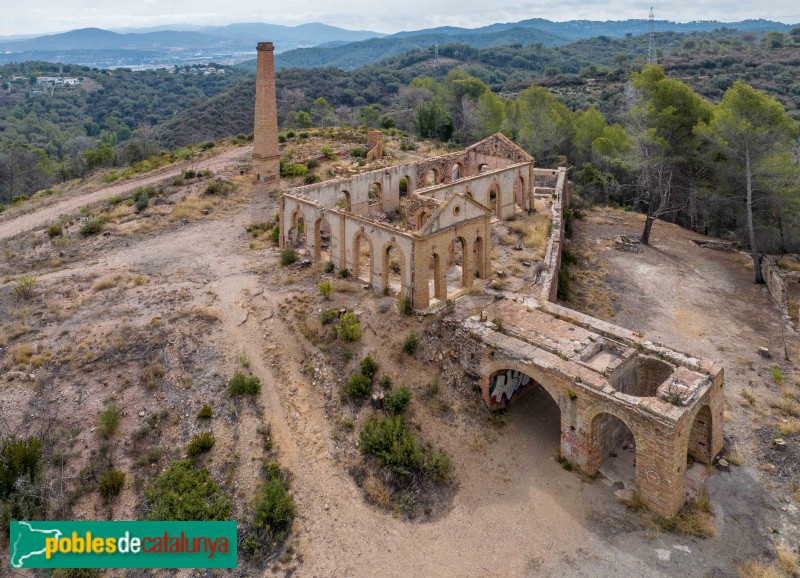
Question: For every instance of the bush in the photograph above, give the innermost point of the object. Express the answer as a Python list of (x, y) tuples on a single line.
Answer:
[(93, 227), (218, 187), (358, 152), (288, 256), (290, 134), (19, 199), (564, 284), (190, 174), (328, 316), (205, 412), (344, 273), (404, 305), (275, 234), (200, 443), (326, 289), (410, 343), (177, 181), (312, 178), (437, 465), (25, 286), (273, 509), (20, 458), (141, 203), (184, 492), (349, 328), (369, 367), (359, 386), (240, 384), (397, 401), (313, 164), (54, 231), (109, 420), (329, 267), (111, 483), (391, 442)]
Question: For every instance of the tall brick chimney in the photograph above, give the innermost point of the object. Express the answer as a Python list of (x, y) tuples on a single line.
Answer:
[(266, 157)]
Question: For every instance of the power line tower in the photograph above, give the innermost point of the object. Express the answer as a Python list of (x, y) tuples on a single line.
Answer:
[(435, 55), (651, 32)]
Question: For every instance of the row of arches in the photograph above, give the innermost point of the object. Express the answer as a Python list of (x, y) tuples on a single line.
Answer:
[(612, 444)]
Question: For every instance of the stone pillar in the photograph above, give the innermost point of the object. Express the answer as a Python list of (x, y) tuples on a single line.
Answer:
[(266, 156)]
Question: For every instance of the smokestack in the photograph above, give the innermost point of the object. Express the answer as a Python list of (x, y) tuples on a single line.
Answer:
[(266, 157)]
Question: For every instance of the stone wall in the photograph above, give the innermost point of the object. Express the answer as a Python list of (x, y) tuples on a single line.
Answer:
[(555, 243), (783, 286)]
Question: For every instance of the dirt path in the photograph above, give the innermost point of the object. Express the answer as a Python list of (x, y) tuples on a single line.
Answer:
[(14, 225)]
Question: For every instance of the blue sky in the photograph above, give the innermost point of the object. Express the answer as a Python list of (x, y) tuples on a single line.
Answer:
[(39, 16)]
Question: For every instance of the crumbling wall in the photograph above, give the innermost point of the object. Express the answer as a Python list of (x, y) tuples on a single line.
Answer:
[(783, 286), (555, 244)]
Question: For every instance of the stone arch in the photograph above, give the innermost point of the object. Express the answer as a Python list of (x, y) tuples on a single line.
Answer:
[(457, 261), (478, 261), (344, 201), (375, 196), (298, 228), (322, 239), (404, 186), (700, 443), (456, 172), (483, 167), (495, 198), (539, 376), (359, 259), (519, 190), (606, 436), (421, 218), (439, 283), (389, 264), (431, 177)]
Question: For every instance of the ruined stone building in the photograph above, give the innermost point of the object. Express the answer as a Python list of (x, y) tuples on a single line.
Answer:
[(423, 231)]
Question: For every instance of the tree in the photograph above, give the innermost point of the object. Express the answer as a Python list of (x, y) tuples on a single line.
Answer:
[(433, 121), (322, 112), (755, 137), (541, 123), (23, 170)]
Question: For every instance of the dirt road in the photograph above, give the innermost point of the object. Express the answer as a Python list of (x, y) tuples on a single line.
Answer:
[(14, 225)]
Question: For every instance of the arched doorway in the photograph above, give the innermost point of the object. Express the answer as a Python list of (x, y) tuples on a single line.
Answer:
[(519, 188), (436, 292), (297, 231), (483, 168), (322, 240), (376, 197), (343, 201), (422, 217), (394, 270), (494, 199), (614, 448), (456, 274), (362, 257), (700, 437), (455, 172), (404, 186)]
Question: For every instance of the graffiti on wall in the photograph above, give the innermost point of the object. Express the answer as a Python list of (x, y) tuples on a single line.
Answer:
[(507, 384)]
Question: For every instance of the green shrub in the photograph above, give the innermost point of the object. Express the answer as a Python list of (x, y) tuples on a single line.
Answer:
[(141, 203), (391, 442), (313, 164), (20, 458), (437, 465), (205, 412), (273, 508), (208, 145), (184, 492), (240, 384), (358, 152), (344, 273), (177, 181), (369, 367), (329, 267), (359, 386), (349, 327), (326, 289), (111, 483), (312, 178), (200, 443), (564, 284), (94, 226), (328, 316), (108, 420), (410, 343), (54, 231), (190, 174), (25, 286), (19, 199), (386, 382), (404, 305), (397, 401), (218, 187), (290, 134), (288, 256)]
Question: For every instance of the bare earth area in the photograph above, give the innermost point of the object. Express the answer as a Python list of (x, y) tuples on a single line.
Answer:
[(199, 294)]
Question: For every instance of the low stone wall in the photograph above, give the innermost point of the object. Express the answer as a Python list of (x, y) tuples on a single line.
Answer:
[(783, 286), (555, 244)]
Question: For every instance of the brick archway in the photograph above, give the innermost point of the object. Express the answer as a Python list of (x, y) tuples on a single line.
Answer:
[(386, 258), (357, 273)]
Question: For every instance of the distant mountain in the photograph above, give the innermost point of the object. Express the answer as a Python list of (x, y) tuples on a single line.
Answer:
[(99, 39), (579, 29), (313, 33), (355, 54)]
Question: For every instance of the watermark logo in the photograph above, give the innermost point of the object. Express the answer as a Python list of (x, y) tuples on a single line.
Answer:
[(117, 544)]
